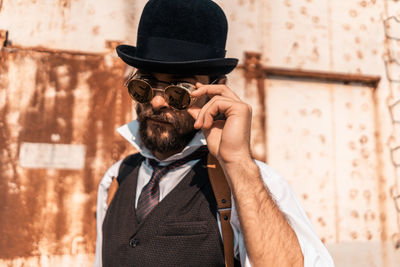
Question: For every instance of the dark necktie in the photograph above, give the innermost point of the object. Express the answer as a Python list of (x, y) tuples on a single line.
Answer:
[(150, 195)]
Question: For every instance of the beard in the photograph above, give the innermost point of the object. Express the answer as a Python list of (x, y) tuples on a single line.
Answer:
[(164, 130)]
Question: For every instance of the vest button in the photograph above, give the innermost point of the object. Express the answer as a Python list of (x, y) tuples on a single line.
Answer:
[(133, 242)]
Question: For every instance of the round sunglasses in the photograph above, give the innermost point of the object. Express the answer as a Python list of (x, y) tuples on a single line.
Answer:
[(177, 95)]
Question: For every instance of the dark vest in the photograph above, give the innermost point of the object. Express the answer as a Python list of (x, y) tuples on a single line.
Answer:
[(181, 231)]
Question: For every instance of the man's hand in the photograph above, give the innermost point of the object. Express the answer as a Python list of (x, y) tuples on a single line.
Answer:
[(228, 140)]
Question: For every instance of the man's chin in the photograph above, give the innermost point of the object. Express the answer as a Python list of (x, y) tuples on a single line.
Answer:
[(161, 136), (164, 141)]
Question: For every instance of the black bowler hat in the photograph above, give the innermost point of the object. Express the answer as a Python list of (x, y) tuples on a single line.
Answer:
[(180, 37)]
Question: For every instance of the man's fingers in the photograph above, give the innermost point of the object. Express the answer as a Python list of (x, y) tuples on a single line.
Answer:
[(212, 90), (194, 111), (218, 104), (217, 92)]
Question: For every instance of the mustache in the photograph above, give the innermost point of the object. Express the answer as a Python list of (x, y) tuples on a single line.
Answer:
[(162, 116)]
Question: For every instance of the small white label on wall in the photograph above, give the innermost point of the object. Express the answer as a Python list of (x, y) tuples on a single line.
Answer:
[(52, 156)]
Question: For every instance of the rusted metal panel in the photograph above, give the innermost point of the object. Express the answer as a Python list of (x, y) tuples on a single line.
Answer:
[(357, 36), (322, 139), (357, 171), (244, 26), (301, 147), (56, 99), (297, 34), (69, 24), (323, 35)]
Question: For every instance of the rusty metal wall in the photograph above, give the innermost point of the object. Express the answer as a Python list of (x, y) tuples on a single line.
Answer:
[(61, 100), (52, 98), (69, 24), (337, 144)]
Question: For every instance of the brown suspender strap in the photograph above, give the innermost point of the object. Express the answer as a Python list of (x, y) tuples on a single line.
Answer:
[(112, 190), (222, 193)]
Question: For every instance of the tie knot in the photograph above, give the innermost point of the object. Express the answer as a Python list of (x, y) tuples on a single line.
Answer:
[(155, 164)]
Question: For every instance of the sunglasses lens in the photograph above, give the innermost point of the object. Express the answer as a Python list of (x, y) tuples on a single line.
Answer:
[(140, 91), (177, 97)]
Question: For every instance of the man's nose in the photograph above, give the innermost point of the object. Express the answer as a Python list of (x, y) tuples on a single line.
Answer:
[(158, 102)]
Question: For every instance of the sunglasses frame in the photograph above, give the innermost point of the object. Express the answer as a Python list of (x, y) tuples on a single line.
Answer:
[(163, 90)]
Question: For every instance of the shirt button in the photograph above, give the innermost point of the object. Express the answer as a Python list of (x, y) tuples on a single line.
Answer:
[(133, 242)]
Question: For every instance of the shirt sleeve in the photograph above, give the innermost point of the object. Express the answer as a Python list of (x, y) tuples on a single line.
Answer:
[(314, 252), (101, 208)]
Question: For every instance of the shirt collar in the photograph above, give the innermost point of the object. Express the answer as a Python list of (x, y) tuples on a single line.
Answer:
[(130, 132)]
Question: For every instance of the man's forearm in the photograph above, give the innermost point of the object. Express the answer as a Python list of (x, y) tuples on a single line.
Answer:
[(269, 239)]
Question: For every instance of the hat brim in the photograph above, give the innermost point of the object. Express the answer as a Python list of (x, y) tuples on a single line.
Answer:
[(217, 66)]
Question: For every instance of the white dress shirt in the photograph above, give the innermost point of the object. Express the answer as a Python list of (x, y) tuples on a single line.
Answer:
[(314, 252)]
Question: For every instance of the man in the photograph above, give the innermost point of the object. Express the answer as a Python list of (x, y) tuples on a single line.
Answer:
[(183, 105)]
